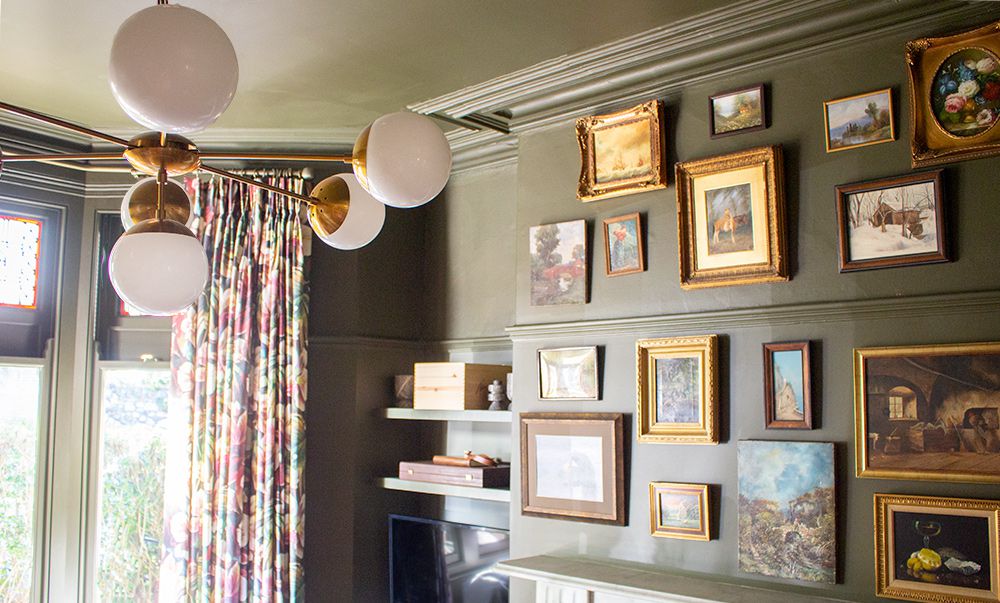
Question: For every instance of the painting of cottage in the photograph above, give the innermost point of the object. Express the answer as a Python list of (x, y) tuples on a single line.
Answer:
[(892, 222)]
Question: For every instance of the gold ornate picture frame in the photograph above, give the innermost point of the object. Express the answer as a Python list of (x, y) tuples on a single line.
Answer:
[(680, 511), (678, 392), (731, 219), (621, 153), (937, 549), (955, 96)]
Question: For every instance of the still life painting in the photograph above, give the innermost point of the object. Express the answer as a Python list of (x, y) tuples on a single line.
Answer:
[(738, 111), (572, 466), (787, 385), (892, 222), (936, 549), (678, 397), (568, 374), (860, 120), (558, 263), (623, 253), (928, 412), (621, 153), (787, 516), (679, 511)]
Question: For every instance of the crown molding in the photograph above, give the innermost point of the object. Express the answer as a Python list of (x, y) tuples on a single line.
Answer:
[(964, 304)]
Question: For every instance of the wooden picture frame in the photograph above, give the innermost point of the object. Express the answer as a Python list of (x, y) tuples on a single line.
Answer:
[(919, 413), (670, 507), (914, 536), (621, 153), (624, 255), (563, 482), (787, 385), (870, 213), (737, 111), (731, 219), (568, 374), (685, 410), (860, 120), (945, 129)]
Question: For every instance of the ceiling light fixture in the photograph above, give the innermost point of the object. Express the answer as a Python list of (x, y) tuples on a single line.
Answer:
[(173, 69)]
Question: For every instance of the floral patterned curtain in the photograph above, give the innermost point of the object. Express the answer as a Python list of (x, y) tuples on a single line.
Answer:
[(234, 509)]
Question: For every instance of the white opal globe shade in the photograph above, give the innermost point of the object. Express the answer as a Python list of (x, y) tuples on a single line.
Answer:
[(160, 273), (126, 216), (364, 220), (173, 69), (407, 159)]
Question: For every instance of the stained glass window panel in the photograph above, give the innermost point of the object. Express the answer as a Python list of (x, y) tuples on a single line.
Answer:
[(20, 239)]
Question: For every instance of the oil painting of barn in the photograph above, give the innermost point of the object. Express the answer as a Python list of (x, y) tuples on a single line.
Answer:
[(931, 412)]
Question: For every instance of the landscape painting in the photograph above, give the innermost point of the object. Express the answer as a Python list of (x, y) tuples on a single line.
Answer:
[(679, 511), (929, 412), (859, 120), (787, 518), (730, 219), (559, 263), (678, 390), (892, 222), (787, 385), (738, 111)]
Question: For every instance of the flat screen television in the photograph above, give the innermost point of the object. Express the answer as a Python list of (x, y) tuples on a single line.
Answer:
[(432, 561)]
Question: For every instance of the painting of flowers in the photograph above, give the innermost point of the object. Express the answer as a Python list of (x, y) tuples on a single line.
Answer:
[(966, 92), (738, 111), (559, 263), (859, 120), (787, 520)]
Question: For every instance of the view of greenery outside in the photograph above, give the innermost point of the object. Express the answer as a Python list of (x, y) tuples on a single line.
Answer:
[(133, 457), (19, 426)]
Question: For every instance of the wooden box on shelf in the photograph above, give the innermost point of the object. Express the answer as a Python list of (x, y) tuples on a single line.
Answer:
[(454, 385), (477, 477)]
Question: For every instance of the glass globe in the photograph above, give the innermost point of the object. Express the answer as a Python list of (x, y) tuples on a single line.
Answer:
[(140, 199), (173, 69), (159, 267), (403, 159), (345, 216)]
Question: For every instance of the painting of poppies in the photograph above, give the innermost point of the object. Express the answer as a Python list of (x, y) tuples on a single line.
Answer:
[(559, 263), (859, 120), (787, 520)]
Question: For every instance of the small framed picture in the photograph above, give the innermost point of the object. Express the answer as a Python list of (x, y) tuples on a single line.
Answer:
[(731, 219), (679, 511), (558, 263), (737, 111), (573, 466), (623, 253), (621, 153), (787, 386), (892, 222), (678, 390), (568, 374), (936, 549), (859, 120)]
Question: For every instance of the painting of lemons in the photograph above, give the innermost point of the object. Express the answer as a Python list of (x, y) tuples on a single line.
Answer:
[(623, 152)]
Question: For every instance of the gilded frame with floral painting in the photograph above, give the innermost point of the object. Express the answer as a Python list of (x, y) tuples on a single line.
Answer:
[(621, 153), (955, 96), (678, 390)]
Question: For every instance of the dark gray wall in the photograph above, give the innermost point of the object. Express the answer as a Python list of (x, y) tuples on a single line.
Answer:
[(478, 291)]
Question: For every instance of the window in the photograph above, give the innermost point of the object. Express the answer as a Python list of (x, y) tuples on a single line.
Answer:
[(895, 407), (20, 248), (134, 433), (19, 408)]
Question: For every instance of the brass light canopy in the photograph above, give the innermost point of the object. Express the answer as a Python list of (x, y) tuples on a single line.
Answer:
[(164, 226), (150, 151), (359, 159), (143, 203), (331, 199)]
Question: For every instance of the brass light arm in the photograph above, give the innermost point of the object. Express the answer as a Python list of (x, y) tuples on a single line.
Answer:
[(8, 158), (274, 189), (61, 123), (275, 157)]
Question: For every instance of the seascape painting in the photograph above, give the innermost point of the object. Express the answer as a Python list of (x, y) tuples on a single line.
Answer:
[(623, 152), (570, 467), (859, 120), (892, 222), (678, 390), (931, 412), (789, 399), (730, 219), (737, 111), (787, 519), (559, 263)]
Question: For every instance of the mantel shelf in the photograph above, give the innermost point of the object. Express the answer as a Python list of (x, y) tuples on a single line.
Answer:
[(495, 494), (478, 416)]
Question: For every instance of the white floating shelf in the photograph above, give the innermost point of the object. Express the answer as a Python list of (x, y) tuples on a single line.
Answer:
[(479, 416), (394, 483)]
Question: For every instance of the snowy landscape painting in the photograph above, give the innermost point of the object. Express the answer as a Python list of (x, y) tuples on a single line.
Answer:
[(892, 222)]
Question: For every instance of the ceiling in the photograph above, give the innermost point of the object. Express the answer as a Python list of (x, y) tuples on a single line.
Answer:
[(315, 65)]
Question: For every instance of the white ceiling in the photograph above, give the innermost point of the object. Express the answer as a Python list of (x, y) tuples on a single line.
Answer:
[(315, 65)]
